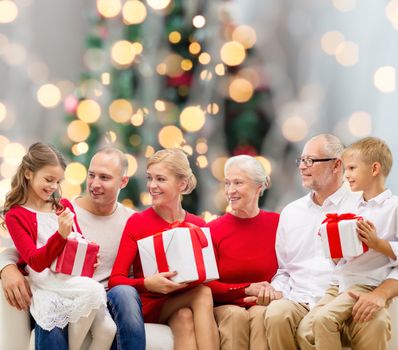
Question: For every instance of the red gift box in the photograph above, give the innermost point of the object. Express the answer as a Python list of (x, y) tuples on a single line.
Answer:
[(339, 236), (77, 258)]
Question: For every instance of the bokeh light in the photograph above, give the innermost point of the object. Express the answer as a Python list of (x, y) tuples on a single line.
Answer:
[(174, 37), (347, 53), (360, 124), (75, 173), (344, 5), (330, 41), (192, 118), (121, 110), (266, 164), (8, 11), (48, 95), (245, 35), (217, 168), (240, 90), (69, 190), (88, 111), (13, 153), (132, 165), (170, 136), (78, 131), (3, 112), (295, 129), (385, 79), (232, 53), (202, 161), (199, 21), (158, 4), (123, 52), (4, 141), (80, 148), (109, 8), (134, 12)]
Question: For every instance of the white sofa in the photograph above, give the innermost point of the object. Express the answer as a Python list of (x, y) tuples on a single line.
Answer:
[(15, 331)]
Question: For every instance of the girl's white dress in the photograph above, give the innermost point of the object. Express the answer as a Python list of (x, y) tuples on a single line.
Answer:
[(58, 299)]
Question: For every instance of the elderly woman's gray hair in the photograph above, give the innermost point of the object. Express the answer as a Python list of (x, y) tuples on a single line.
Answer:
[(252, 167)]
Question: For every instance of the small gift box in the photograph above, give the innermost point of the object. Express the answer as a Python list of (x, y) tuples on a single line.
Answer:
[(187, 250), (339, 236), (78, 257)]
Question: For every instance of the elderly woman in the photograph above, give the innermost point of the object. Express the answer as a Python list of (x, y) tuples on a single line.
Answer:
[(244, 243), (169, 176)]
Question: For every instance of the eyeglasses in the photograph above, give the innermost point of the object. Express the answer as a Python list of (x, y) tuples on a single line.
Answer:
[(309, 162)]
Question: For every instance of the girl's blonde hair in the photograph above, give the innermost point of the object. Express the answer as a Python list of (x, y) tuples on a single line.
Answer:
[(177, 162), (38, 156)]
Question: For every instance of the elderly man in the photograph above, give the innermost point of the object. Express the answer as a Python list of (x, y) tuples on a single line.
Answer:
[(304, 273), (102, 219)]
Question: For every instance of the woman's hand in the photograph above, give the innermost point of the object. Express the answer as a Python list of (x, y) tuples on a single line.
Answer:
[(65, 223), (265, 295), (254, 288), (160, 283)]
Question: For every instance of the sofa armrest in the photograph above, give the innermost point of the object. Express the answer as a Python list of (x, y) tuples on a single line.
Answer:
[(14, 326)]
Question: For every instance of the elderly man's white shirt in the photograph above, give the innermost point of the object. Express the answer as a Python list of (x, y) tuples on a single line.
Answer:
[(304, 272)]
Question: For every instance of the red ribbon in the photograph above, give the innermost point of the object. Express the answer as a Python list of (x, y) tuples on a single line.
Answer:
[(332, 230), (199, 241)]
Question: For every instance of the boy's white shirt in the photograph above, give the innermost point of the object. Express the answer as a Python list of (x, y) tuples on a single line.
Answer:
[(372, 268)]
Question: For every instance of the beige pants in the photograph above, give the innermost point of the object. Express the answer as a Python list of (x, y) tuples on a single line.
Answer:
[(329, 325), (241, 329), (282, 318)]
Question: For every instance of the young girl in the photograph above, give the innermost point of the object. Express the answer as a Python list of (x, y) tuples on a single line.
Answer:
[(39, 235)]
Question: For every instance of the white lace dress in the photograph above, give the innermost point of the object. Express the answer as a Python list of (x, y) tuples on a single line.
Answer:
[(59, 299)]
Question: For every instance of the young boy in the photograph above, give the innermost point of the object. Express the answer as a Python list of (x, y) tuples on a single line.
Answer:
[(367, 164)]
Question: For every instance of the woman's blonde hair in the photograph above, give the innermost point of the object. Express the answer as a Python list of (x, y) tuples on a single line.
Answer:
[(38, 156), (177, 162)]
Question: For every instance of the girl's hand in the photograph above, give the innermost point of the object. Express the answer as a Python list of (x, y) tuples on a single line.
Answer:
[(98, 262), (160, 283), (65, 223), (367, 234)]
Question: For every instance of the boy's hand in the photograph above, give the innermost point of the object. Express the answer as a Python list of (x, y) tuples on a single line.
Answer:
[(367, 234)]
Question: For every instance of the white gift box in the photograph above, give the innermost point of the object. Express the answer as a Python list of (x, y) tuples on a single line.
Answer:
[(182, 251), (340, 238)]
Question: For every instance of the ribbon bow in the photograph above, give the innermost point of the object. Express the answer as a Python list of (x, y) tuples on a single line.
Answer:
[(334, 217)]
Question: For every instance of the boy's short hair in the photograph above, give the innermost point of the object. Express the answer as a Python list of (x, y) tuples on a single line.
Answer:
[(372, 149)]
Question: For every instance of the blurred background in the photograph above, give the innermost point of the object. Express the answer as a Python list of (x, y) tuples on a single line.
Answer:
[(217, 78)]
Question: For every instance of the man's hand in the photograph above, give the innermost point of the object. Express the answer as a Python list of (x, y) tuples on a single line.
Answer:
[(16, 288), (367, 305)]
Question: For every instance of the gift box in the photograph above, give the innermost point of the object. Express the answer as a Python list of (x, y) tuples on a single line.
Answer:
[(78, 257), (340, 237), (187, 250)]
